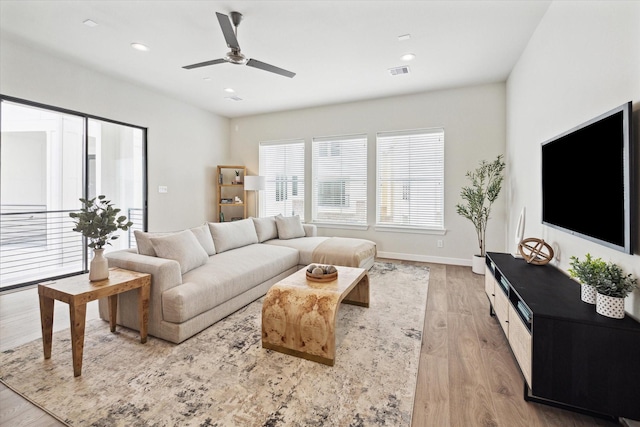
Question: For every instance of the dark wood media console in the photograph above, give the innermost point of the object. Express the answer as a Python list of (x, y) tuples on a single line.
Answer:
[(569, 355)]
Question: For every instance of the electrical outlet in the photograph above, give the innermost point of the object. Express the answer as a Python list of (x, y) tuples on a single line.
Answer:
[(440, 243), (163, 189)]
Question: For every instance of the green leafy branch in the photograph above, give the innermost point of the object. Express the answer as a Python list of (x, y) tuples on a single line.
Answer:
[(98, 220)]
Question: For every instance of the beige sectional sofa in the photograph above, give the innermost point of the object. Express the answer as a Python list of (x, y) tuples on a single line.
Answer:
[(203, 274)]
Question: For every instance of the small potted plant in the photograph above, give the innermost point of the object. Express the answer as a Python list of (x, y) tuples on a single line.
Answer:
[(486, 183), (588, 273), (98, 221), (237, 176), (613, 287)]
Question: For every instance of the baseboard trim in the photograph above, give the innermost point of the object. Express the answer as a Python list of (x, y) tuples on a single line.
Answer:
[(424, 258)]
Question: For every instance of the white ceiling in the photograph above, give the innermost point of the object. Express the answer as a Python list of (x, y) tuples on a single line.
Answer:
[(340, 50)]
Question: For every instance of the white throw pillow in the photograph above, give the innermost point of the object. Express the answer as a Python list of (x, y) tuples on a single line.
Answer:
[(231, 235), (289, 227), (144, 244), (182, 247), (266, 228), (203, 235)]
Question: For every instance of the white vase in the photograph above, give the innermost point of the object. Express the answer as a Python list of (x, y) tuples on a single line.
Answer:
[(588, 293), (99, 267), (477, 264), (610, 306)]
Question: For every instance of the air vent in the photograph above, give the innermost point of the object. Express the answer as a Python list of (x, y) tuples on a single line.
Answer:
[(233, 98), (399, 70)]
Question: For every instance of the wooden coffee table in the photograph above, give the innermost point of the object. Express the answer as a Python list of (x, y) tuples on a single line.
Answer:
[(77, 291), (299, 315)]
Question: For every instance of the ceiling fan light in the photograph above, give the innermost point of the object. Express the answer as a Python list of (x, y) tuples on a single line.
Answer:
[(140, 47), (408, 57)]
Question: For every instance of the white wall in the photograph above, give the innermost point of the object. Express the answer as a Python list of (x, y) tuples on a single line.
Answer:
[(474, 123), (583, 60), (184, 143)]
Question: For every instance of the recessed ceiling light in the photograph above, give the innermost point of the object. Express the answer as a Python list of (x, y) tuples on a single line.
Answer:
[(408, 57), (139, 46), (404, 37), (229, 90), (90, 23), (207, 79)]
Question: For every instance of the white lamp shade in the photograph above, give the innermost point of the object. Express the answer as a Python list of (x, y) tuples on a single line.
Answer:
[(255, 183)]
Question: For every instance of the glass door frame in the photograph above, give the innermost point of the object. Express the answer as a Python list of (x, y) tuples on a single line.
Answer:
[(85, 176)]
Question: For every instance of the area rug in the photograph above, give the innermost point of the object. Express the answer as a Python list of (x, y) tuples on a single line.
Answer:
[(223, 376)]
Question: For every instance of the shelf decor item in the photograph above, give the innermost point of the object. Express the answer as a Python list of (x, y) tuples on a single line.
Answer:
[(486, 183), (238, 177), (98, 220), (588, 272), (613, 287), (535, 251)]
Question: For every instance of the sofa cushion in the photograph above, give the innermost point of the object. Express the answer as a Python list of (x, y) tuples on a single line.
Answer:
[(232, 235), (203, 235), (304, 245), (144, 244), (182, 247), (289, 227), (224, 277), (266, 228)]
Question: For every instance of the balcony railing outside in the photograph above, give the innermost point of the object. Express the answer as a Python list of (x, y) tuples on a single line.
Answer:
[(36, 244), (135, 215)]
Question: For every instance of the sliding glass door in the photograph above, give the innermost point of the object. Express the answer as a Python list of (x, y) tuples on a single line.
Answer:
[(49, 158)]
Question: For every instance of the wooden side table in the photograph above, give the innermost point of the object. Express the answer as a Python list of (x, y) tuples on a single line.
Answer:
[(77, 291)]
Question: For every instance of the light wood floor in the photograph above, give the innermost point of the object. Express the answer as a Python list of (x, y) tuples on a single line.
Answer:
[(467, 374)]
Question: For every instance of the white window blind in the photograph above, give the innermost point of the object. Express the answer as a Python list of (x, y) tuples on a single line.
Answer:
[(410, 179), (282, 165), (340, 180)]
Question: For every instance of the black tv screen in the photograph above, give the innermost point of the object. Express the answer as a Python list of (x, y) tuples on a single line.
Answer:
[(587, 180)]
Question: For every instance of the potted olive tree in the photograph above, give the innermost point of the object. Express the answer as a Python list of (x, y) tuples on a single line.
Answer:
[(98, 220), (613, 287), (486, 183), (588, 272)]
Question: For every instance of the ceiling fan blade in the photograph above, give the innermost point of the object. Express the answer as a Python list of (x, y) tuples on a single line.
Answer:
[(204, 64), (271, 68), (227, 31)]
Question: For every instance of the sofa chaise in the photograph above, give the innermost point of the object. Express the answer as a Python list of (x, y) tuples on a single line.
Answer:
[(203, 274)]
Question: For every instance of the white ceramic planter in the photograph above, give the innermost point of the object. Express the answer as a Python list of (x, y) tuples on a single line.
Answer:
[(99, 266), (588, 293), (610, 306), (478, 264)]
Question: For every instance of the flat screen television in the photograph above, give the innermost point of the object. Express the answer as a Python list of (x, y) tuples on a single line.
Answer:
[(588, 179)]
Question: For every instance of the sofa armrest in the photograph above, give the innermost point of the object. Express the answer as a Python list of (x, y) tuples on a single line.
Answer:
[(165, 273), (310, 230)]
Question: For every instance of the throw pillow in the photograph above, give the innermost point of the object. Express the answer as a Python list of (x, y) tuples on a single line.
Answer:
[(266, 228), (231, 235), (182, 247), (144, 244), (203, 235), (289, 227)]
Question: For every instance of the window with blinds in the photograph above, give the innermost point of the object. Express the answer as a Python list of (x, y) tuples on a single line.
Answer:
[(282, 165), (340, 180), (410, 179)]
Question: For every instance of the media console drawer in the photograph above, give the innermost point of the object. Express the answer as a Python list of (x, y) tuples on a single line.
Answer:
[(569, 355)]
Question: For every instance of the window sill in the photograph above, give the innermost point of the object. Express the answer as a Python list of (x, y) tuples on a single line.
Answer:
[(341, 226), (412, 230)]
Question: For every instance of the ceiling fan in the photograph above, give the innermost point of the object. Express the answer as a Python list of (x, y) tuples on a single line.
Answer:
[(235, 56)]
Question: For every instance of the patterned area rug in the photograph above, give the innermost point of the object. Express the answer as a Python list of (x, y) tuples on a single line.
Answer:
[(223, 376)]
